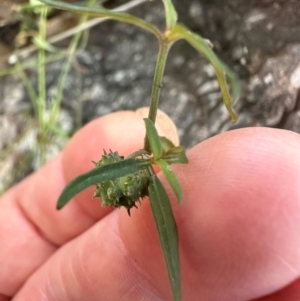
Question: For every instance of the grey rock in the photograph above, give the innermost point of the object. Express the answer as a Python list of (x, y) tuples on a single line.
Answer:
[(258, 39)]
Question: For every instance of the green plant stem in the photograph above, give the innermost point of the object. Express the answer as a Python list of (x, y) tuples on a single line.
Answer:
[(157, 83), (42, 71), (98, 12), (41, 98), (85, 33), (65, 70), (29, 88)]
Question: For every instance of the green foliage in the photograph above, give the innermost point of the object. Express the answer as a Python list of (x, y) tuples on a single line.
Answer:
[(227, 79), (46, 113), (153, 138), (163, 149), (123, 182), (102, 173), (171, 177), (167, 230), (122, 191), (171, 14)]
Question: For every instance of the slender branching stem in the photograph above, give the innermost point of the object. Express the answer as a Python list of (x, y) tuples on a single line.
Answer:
[(164, 47), (99, 12), (42, 71)]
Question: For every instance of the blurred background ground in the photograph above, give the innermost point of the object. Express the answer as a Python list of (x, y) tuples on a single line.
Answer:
[(258, 39)]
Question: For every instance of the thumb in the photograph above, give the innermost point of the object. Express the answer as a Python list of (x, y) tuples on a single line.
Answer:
[(28, 220)]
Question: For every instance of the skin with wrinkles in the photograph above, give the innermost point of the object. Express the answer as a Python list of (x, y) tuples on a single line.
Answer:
[(238, 225)]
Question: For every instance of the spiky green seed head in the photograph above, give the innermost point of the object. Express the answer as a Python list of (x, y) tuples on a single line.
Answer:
[(124, 191)]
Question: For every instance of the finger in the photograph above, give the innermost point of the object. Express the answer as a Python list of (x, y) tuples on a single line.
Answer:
[(30, 227), (4, 298), (38, 195), (289, 293), (238, 230), (94, 266), (239, 223)]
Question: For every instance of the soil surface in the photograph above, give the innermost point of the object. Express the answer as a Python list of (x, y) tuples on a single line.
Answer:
[(258, 39)]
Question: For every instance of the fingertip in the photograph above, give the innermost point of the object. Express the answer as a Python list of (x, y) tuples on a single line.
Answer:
[(242, 195), (288, 293), (164, 124)]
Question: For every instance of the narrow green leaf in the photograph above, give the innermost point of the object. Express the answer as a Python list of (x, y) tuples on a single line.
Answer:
[(167, 230), (99, 174), (100, 12), (176, 156), (166, 143), (223, 73), (154, 139), (171, 177), (171, 14)]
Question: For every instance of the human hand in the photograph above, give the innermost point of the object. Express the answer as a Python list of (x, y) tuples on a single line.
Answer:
[(239, 224)]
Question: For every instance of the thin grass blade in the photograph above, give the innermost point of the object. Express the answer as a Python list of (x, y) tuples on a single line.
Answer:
[(167, 230)]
